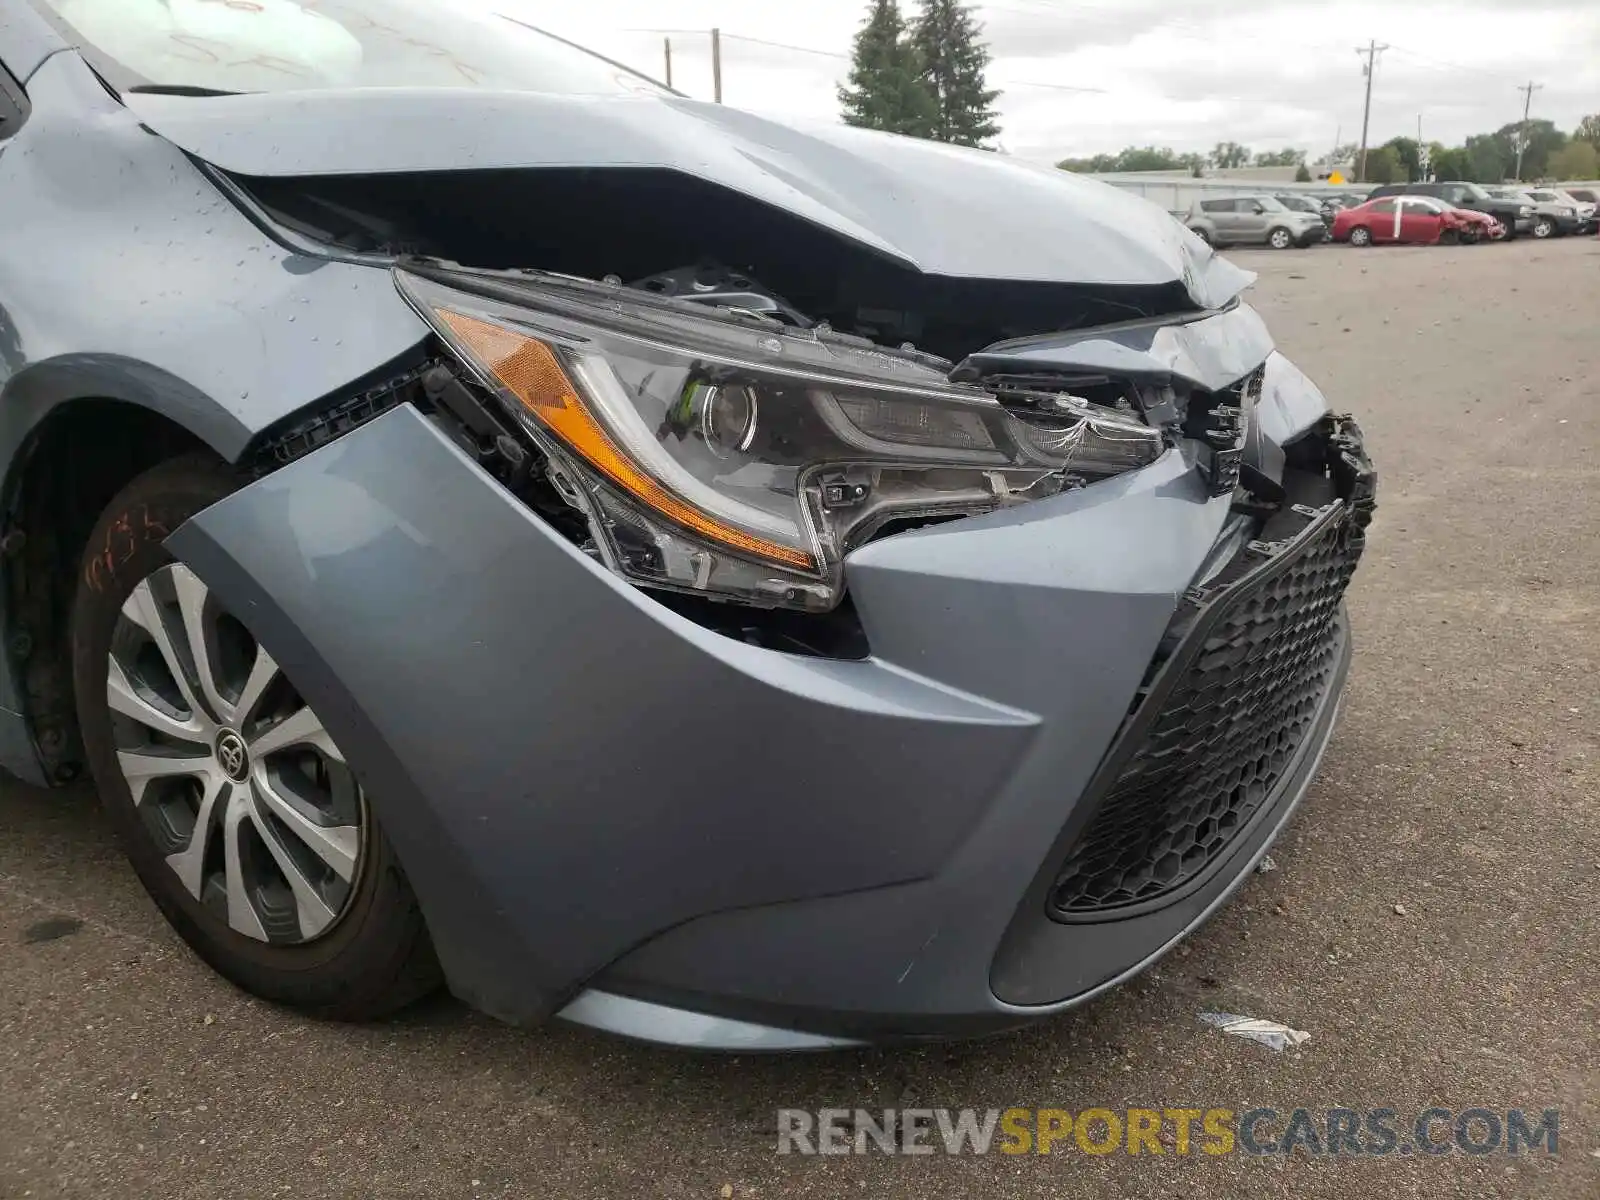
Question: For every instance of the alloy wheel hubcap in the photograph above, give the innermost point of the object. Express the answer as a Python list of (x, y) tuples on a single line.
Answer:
[(232, 774), (233, 756)]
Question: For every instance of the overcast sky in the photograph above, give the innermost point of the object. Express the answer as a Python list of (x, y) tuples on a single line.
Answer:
[(1179, 73)]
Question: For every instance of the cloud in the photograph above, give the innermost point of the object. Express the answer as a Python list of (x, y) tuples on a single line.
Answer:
[(1182, 73)]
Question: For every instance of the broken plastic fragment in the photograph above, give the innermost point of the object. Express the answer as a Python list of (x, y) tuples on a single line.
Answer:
[(1266, 864), (1268, 1033)]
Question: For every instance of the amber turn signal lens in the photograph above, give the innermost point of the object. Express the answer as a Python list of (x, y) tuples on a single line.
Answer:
[(530, 371)]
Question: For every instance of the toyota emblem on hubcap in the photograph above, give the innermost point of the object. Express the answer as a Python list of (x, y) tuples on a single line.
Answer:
[(233, 756)]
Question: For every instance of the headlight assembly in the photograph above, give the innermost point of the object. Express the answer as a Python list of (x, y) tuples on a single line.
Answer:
[(721, 455)]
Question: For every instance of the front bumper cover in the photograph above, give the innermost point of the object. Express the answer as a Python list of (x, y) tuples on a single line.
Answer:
[(589, 791)]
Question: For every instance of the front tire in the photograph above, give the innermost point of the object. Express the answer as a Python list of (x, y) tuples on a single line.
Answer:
[(1544, 227), (234, 805), (1361, 236), (1280, 239)]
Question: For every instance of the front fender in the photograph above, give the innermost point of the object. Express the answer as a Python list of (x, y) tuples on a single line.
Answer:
[(565, 767), (125, 274)]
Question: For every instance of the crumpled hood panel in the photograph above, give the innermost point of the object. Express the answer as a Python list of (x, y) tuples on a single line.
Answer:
[(942, 210), (1212, 352)]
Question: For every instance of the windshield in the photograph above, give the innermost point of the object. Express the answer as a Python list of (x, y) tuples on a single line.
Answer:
[(293, 45)]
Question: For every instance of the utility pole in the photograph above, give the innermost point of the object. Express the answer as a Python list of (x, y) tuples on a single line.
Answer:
[(666, 44), (1368, 68), (716, 64), (1522, 134)]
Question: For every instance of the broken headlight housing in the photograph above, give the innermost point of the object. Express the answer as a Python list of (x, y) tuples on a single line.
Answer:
[(722, 455)]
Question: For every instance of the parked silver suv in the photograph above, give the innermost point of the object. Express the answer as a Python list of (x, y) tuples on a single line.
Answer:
[(1588, 211), (1253, 221), (1551, 217)]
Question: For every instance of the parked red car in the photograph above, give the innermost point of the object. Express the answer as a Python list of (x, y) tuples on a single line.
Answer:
[(1420, 220)]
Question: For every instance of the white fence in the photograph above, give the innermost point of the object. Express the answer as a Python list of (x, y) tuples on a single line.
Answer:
[(1177, 194)]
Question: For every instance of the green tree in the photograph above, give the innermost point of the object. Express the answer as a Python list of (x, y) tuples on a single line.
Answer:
[(1589, 130), (1098, 164), (1489, 158), (953, 60), (1229, 155), (1543, 140), (1449, 163), (1133, 158), (1148, 158), (1164, 158), (1339, 156), (1287, 157), (885, 90), (1575, 160), (1407, 152), (1302, 174), (1384, 166)]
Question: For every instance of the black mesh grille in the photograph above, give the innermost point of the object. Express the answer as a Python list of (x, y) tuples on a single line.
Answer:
[(1225, 732)]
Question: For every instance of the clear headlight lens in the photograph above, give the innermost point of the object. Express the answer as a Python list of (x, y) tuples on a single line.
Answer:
[(717, 455)]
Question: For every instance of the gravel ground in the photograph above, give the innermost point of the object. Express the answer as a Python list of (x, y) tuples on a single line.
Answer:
[(1433, 921)]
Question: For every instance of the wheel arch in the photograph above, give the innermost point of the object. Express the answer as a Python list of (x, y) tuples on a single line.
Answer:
[(75, 432)]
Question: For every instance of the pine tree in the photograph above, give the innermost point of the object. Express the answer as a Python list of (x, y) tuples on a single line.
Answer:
[(953, 62), (885, 91)]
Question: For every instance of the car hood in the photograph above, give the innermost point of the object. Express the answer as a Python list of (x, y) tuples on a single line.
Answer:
[(942, 210)]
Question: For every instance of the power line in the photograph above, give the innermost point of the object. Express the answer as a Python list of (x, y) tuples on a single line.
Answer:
[(835, 54), (1445, 64), (739, 37), (1054, 87)]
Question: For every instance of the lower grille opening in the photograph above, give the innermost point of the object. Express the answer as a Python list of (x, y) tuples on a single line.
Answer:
[(1221, 721)]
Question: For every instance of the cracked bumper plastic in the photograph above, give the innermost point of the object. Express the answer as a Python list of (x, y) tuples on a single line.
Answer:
[(596, 798)]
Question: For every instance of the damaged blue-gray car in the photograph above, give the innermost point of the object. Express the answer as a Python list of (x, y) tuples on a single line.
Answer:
[(482, 519)]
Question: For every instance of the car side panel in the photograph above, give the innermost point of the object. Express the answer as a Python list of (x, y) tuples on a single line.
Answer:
[(1418, 224), (1381, 219), (1252, 226), (126, 275)]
